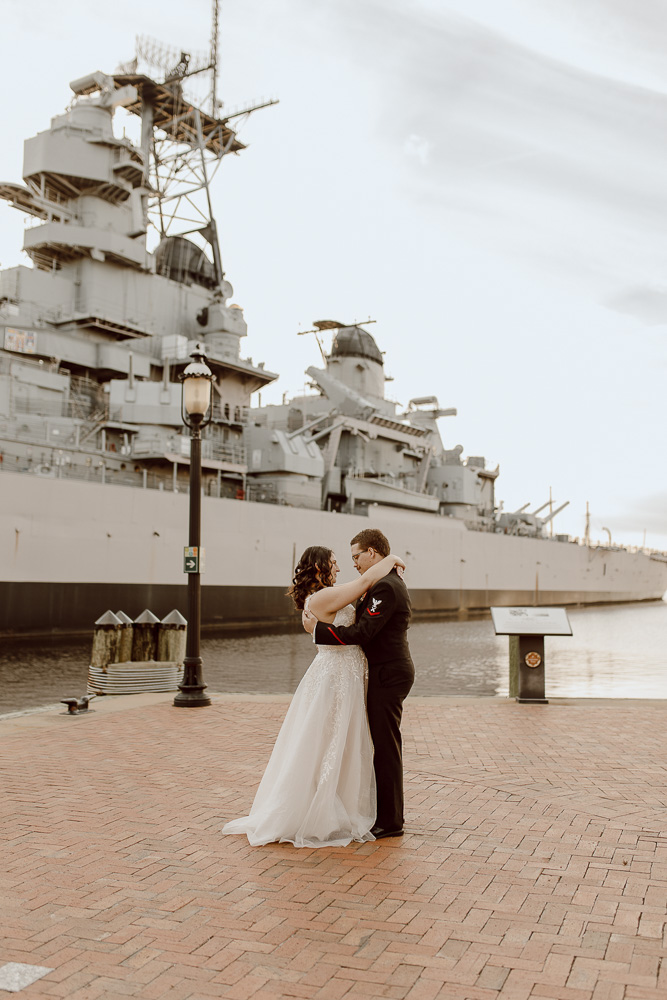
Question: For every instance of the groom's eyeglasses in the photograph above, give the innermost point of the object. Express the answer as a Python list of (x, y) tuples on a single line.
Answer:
[(355, 556)]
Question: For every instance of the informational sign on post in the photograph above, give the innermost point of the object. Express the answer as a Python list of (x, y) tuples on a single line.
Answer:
[(193, 559), (531, 621), (526, 628)]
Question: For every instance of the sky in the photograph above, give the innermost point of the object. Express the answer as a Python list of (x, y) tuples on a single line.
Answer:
[(486, 179)]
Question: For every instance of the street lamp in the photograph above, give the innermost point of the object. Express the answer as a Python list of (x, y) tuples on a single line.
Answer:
[(196, 413)]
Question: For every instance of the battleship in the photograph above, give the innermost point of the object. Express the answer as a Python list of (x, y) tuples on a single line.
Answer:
[(124, 281)]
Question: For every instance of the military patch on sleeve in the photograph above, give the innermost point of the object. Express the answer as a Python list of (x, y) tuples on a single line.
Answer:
[(374, 605)]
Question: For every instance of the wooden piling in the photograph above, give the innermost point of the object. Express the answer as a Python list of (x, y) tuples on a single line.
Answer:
[(144, 637), (172, 634), (105, 640), (125, 639)]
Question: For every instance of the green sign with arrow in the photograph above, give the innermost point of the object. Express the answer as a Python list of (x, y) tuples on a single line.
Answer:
[(193, 559)]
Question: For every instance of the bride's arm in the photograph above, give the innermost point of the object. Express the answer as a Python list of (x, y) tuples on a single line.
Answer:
[(332, 599)]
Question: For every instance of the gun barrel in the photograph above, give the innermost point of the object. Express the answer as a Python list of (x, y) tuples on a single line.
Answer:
[(550, 517)]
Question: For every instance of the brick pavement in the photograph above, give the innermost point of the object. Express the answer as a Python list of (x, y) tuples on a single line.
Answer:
[(535, 863)]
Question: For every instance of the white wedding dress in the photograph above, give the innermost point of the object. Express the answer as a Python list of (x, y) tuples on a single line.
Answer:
[(318, 789)]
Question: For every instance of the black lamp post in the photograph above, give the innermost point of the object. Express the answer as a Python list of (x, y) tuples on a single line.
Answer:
[(196, 412)]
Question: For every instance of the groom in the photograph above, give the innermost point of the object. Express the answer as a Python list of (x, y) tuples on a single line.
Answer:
[(382, 621)]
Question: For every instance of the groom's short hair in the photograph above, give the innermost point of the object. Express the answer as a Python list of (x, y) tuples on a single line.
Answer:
[(372, 538)]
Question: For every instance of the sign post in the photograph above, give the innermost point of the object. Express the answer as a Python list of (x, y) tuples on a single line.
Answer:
[(526, 628)]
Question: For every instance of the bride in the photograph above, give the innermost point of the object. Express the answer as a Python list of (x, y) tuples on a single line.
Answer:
[(318, 789)]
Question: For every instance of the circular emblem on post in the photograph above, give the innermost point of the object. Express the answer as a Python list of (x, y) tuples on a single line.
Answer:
[(532, 659)]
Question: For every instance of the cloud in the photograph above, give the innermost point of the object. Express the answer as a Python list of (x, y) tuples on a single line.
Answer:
[(564, 167), (418, 147), (647, 304), (649, 514), (621, 39)]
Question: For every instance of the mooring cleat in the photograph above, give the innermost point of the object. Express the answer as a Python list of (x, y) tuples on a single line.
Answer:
[(76, 705)]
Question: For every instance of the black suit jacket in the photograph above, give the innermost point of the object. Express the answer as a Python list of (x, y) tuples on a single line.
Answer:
[(383, 619)]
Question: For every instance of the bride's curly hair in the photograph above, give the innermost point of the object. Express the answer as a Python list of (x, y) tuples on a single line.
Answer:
[(313, 572)]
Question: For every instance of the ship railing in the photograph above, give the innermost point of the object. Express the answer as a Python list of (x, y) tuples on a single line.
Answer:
[(617, 547), (407, 483), (83, 384), (24, 406), (155, 445), (46, 430), (40, 434), (259, 492), (227, 413), (481, 523), (53, 467), (227, 453), (6, 362), (72, 408)]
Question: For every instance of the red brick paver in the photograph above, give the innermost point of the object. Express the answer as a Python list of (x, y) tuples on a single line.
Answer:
[(535, 865)]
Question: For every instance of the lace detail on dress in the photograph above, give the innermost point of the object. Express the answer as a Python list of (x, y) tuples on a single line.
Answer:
[(319, 788), (337, 666)]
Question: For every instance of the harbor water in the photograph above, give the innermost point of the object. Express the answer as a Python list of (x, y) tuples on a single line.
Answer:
[(615, 652)]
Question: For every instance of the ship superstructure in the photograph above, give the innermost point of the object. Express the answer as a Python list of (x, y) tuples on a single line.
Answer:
[(371, 454), (126, 278), (97, 331)]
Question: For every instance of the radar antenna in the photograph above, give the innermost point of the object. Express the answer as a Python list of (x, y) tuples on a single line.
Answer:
[(329, 324), (173, 64), (183, 144)]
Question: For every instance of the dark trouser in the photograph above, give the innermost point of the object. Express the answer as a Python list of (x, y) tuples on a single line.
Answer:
[(385, 710)]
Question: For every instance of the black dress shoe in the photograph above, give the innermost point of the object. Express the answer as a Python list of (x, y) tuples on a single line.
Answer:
[(380, 833)]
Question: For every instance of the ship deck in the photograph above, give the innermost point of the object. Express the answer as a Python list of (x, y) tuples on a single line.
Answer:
[(534, 863)]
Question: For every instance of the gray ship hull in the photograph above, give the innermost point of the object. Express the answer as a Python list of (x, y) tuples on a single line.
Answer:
[(72, 550)]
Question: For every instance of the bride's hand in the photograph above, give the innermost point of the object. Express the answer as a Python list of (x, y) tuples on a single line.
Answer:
[(398, 562), (309, 621)]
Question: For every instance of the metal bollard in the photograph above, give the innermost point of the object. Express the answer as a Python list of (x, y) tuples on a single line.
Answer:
[(106, 638), (171, 641), (144, 637), (125, 641)]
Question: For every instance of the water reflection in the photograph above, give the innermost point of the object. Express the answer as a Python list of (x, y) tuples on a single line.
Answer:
[(615, 652)]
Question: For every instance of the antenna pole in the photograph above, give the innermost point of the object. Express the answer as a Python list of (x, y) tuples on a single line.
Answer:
[(213, 229), (321, 347), (214, 58)]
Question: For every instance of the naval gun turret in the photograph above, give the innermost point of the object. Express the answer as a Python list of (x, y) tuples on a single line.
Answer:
[(343, 398), (528, 523), (370, 454)]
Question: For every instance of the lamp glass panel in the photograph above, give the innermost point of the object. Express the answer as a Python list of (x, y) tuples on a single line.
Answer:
[(196, 395)]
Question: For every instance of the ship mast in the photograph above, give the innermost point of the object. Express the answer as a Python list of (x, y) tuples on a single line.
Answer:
[(183, 143), (214, 57)]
